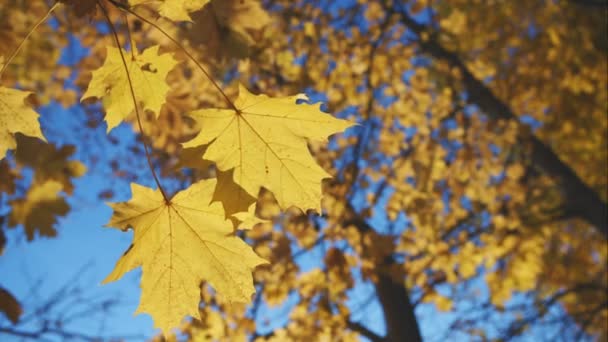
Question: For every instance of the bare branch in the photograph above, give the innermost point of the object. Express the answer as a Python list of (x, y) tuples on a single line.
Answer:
[(364, 331)]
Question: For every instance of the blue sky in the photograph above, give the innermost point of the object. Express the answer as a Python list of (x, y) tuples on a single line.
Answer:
[(72, 266), (84, 251)]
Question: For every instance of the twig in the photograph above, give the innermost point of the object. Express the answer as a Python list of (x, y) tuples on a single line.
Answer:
[(137, 114), (27, 36)]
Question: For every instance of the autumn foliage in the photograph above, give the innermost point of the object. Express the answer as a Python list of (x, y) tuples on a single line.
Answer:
[(456, 162)]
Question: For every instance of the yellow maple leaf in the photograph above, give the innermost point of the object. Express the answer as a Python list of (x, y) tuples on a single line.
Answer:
[(16, 116), (265, 142), (178, 244), (148, 72), (176, 10), (49, 162), (39, 209)]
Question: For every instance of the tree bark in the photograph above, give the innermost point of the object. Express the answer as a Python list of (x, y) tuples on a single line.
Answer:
[(580, 200), (399, 315)]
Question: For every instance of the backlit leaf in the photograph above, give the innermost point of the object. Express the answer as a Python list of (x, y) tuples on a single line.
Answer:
[(38, 210), (265, 142), (178, 245), (16, 116), (147, 71)]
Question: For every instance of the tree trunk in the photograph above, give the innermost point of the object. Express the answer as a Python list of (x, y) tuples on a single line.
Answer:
[(399, 316), (401, 323)]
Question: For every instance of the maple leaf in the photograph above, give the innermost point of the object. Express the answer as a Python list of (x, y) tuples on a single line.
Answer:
[(228, 27), (49, 162), (176, 10), (148, 72), (16, 116), (178, 244), (265, 142), (38, 210)]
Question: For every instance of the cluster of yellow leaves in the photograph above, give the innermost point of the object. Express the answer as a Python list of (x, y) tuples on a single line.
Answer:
[(33, 67), (530, 60), (37, 210), (49, 162), (231, 27), (327, 318), (261, 142), (536, 58), (488, 174)]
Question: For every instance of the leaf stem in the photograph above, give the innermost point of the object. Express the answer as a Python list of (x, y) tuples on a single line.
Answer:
[(131, 41), (137, 113), (27, 36), (178, 44)]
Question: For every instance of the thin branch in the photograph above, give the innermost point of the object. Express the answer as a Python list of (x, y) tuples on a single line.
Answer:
[(367, 131), (181, 47), (364, 331), (27, 36), (137, 114), (58, 315), (131, 41)]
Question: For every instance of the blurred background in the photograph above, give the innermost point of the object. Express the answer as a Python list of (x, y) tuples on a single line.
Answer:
[(469, 204)]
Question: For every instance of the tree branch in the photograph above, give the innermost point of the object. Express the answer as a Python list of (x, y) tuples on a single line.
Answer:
[(580, 200), (364, 331)]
